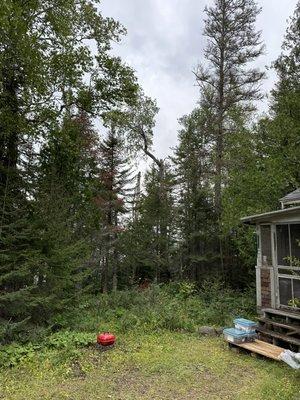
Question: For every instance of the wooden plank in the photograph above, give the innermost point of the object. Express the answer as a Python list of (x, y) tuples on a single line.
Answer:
[(293, 328), (288, 314), (280, 336), (262, 348)]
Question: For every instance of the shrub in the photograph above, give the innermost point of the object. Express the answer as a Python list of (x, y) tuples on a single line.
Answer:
[(178, 306)]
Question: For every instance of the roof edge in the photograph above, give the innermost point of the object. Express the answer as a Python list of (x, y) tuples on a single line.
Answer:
[(251, 219), (291, 197)]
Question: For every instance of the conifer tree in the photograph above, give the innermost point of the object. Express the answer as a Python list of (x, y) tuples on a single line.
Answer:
[(226, 80), (157, 215), (228, 84), (282, 131), (195, 219), (116, 180)]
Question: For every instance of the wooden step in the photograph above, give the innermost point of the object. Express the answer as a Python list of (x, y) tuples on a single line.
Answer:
[(292, 328), (277, 335), (282, 313), (262, 348)]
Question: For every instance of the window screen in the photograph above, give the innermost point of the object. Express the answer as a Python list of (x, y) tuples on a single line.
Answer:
[(285, 291), (296, 288), (283, 247), (295, 239), (266, 247)]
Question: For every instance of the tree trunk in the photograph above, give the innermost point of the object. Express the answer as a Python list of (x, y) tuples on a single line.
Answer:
[(115, 257), (105, 275), (9, 138), (220, 141)]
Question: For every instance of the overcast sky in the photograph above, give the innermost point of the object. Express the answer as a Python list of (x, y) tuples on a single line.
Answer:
[(164, 43)]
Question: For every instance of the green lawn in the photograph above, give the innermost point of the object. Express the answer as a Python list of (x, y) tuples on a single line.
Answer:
[(159, 366)]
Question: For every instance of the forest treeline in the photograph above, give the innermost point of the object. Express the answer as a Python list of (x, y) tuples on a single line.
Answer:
[(76, 215)]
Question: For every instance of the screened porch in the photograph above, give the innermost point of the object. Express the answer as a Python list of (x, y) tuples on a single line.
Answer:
[(287, 266), (280, 249)]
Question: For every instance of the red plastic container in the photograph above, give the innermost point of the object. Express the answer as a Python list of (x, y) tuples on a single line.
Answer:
[(106, 339)]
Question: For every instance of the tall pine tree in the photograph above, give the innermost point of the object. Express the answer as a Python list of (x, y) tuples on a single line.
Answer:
[(228, 83), (226, 80), (195, 217)]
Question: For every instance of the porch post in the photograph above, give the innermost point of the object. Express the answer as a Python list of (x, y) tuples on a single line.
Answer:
[(258, 268), (273, 280)]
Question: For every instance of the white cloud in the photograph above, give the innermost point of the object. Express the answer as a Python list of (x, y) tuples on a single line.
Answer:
[(164, 44)]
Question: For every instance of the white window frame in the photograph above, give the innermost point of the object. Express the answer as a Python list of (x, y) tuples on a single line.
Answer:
[(284, 267)]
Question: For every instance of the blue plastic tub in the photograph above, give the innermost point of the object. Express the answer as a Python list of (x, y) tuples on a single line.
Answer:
[(245, 325), (233, 335)]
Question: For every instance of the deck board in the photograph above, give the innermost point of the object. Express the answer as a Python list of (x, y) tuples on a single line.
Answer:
[(262, 348), (289, 327), (283, 313)]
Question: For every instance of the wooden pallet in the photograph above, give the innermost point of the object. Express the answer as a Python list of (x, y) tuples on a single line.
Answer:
[(262, 348)]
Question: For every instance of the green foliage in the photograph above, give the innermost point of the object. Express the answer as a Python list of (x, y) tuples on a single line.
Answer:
[(186, 289), (149, 241), (263, 160), (13, 354), (177, 306), (222, 304), (48, 150), (283, 127), (195, 218), (65, 339), (294, 302)]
